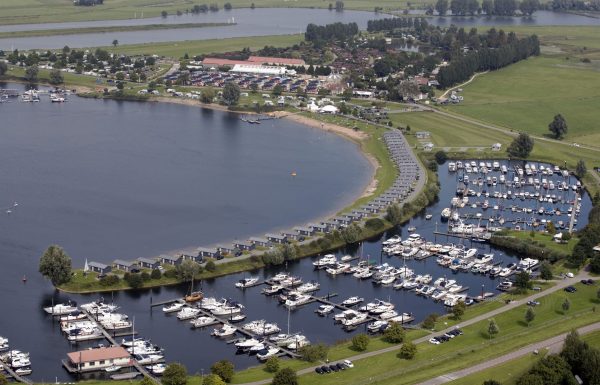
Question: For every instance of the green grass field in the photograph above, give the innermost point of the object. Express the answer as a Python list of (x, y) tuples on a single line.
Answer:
[(197, 47), (48, 11), (507, 373), (525, 97)]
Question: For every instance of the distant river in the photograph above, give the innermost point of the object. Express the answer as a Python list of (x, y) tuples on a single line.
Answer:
[(257, 22)]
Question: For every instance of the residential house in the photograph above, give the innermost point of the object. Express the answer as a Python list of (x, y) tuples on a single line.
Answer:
[(99, 268)]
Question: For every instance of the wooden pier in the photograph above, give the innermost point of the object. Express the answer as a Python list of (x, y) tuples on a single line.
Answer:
[(110, 339), (15, 376)]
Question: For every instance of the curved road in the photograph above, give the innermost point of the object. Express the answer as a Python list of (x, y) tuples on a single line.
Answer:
[(559, 286)]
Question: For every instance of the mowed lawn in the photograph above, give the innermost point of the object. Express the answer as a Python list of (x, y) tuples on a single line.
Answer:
[(448, 132), (525, 96)]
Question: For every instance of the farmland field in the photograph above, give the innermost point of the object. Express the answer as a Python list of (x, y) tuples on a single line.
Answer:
[(525, 96)]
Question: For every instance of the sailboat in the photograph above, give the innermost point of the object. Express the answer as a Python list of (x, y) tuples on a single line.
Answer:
[(194, 296)]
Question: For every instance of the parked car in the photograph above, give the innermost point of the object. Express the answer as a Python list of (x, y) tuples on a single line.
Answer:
[(570, 289), (533, 303), (348, 364), (319, 370)]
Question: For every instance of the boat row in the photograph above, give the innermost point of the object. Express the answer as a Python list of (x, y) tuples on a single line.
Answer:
[(16, 360)]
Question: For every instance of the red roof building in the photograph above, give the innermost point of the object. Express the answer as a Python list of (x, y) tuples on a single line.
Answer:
[(97, 359), (276, 60)]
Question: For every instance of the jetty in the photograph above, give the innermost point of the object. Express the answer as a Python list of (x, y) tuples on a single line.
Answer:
[(15, 376)]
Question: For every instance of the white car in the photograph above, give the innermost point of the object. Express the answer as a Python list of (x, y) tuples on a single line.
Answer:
[(348, 363), (570, 275), (434, 341)]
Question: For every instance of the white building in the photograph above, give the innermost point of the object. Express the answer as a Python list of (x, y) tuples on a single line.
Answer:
[(90, 360), (260, 69)]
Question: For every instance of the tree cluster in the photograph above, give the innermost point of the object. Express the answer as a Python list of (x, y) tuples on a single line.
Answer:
[(579, 5), (521, 146), (576, 358), (313, 353), (484, 59), (464, 7), (55, 264), (335, 31)]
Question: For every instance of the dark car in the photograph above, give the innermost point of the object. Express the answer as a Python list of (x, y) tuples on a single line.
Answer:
[(341, 366), (319, 370), (587, 281), (533, 303), (570, 289), (334, 368), (325, 369)]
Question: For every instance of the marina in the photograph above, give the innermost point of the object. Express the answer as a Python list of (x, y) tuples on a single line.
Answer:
[(384, 280)]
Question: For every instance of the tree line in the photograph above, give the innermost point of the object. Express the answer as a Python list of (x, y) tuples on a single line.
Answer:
[(88, 2), (338, 31), (389, 24), (578, 5), (486, 59)]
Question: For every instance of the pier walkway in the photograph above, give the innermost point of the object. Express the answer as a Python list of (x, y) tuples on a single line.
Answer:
[(15, 376), (110, 339)]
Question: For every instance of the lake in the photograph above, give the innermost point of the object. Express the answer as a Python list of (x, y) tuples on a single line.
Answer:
[(249, 22), (121, 180)]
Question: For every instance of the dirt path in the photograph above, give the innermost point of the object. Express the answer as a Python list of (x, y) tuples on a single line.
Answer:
[(559, 286), (463, 84)]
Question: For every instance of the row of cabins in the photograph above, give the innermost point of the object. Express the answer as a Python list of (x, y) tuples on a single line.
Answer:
[(408, 173)]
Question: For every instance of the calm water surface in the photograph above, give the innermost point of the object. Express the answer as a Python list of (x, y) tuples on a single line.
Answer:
[(257, 22), (107, 179)]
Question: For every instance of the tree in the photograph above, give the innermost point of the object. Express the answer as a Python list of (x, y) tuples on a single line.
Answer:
[(253, 88), (529, 315), (580, 169), (523, 281), (441, 157), (558, 127), (115, 43), (3, 68), (394, 333), (156, 274), (459, 310), (351, 234), (313, 353), (227, 6), (175, 374), (187, 270), (55, 264), (546, 271), (429, 321), (530, 379), (223, 369), (285, 376), (487, 6), (528, 7), (493, 328), (231, 93), (3, 379), (394, 214), (566, 305), (31, 74), (164, 14), (272, 364), (339, 5), (441, 6), (408, 350), (360, 342), (273, 257), (213, 379), (520, 147), (135, 281), (289, 252), (56, 77), (277, 90), (207, 95), (210, 266)]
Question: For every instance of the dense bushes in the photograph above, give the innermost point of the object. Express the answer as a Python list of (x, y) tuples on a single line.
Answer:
[(527, 247)]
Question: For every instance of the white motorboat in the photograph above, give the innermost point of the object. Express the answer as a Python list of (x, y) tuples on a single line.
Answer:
[(225, 331), (324, 309), (203, 321), (298, 342), (99, 306), (392, 241), (283, 339), (25, 371), (272, 290), (75, 316), (267, 353), (354, 319), (352, 301), (175, 306), (239, 317), (327, 260), (112, 368), (388, 315), (147, 359), (308, 287), (227, 310), (247, 343), (157, 369), (187, 313), (60, 309), (246, 282), (377, 326)]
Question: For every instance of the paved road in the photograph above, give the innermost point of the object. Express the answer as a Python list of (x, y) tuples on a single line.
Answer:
[(554, 345), (559, 286)]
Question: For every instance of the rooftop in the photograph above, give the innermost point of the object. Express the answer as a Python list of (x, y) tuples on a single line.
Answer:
[(100, 354)]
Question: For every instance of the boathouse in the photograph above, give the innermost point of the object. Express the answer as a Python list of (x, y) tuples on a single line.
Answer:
[(260, 242), (225, 250), (205, 252), (244, 246), (147, 263), (291, 234), (172, 260), (126, 266), (276, 238), (305, 231), (91, 360), (99, 268)]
